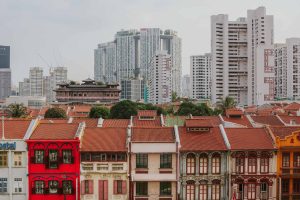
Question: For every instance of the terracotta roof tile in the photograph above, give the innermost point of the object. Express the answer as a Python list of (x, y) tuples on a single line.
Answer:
[(146, 123), (117, 123), (249, 139), (283, 131), (164, 134), (242, 121), (54, 132), (53, 121), (77, 114), (215, 120), (292, 107), (198, 123), (292, 120), (89, 122), (201, 141), (147, 113), (43, 111), (104, 139), (267, 120), (14, 128), (82, 108), (234, 111)]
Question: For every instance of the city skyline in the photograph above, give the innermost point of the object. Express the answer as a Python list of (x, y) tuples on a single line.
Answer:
[(69, 39)]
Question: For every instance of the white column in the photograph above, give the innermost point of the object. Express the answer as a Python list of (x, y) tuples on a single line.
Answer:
[(197, 190), (183, 194), (209, 164), (197, 164), (209, 190)]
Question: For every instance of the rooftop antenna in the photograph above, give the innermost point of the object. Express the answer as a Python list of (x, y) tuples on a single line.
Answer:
[(3, 137)]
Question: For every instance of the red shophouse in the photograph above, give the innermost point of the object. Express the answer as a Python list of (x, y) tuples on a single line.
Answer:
[(54, 161)]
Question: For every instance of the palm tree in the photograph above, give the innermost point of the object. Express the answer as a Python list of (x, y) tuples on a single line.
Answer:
[(227, 103), (17, 110)]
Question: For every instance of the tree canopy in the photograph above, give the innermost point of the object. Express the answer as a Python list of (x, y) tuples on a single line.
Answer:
[(123, 110), (55, 113), (226, 103), (17, 110), (99, 111)]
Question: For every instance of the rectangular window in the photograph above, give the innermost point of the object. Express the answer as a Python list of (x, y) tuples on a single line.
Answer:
[(203, 192), (216, 161), (141, 188), (203, 163), (240, 192), (296, 159), (53, 159), (85, 157), (3, 185), (67, 187), (18, 185), (67, 156), (39, 187), (251, 165), (264, 165), (165, 188), (119, 187), (285, 159), (18, 159), (39, 156), (53, 187), (296, 186), (166, 160), (88, 186), (240, 165), (215, 191), (263, 191), (251, 191), (285, 185), (141, 160), (3, 158), (190, 192)]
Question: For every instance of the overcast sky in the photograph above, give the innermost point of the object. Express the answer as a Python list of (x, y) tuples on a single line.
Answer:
[(65, 33)]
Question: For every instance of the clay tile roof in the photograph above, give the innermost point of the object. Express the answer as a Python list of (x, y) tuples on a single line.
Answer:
[(77, 114), (215, 120), (292, 106), (146, 123), (115, 123), (242, 121), (164, 134), (249, 138), (203, 141), (82, 108), (89, 122), (54, 132), (104, 139), (33, 112), (283, 131), (14, 129), (51, 121), (198, 123), (290, 119), (147, 113), (267, 120), (43, 111), (234, 111)]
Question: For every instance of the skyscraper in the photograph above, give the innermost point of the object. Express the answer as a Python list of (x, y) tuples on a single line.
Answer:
[(36, 81), (287, 69), (160, 78), (134, 49), (5, 72), (105, 62), (24, 87), (235, 52), (200, 70), (186, 86)]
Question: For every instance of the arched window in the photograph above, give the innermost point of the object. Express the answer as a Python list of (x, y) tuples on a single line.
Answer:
[(240, 163), (215, 190), (190, 190), (216, 163), (252, 162), (251, 190), (190, 164), (203, 164), (264, 188), (203, 190)]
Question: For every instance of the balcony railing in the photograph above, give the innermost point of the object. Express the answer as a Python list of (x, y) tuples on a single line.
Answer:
[(290, 170), (103, 167)]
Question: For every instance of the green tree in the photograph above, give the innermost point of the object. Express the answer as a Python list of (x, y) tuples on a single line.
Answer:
[(186, 108), (55, 113), (99, 111), (203, 110), (174, 96), (17, 110), (227, 103), (123, 110)]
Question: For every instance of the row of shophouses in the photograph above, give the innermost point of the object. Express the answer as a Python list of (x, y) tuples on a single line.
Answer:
[(203, 159)]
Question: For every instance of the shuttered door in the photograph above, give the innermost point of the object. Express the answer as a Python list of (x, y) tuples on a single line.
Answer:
[(103, 190)]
